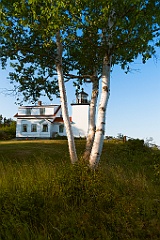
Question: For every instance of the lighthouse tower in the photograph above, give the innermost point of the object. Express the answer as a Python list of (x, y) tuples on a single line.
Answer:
[(80, 114)]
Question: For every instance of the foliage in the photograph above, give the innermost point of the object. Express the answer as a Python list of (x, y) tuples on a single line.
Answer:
[(8, 130), (120, 136), (1, 118), (30, 55), (135, 144), (28, 39), (5, 121), (44, 197)]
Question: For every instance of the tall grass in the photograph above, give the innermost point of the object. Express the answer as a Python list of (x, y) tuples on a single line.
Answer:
[(42, 196)]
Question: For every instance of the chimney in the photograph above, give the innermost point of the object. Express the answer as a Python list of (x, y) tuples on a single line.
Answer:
[(39, 103)]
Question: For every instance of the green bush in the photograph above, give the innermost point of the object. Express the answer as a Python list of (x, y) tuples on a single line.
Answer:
[(8, 132), (3, 135), (135, 144)]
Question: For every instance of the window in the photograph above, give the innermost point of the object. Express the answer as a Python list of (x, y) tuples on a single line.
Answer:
[(61, 128), (28, 111), (24, 127), (42, 111), (33, 127), (45, 128)]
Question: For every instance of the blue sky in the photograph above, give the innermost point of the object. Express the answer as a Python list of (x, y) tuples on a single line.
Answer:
[(134, 103), (134, 107)]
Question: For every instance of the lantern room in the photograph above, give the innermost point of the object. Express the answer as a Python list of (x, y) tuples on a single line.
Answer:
[(81, 97)]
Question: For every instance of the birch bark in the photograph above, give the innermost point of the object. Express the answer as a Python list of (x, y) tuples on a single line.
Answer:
[(106, 69), (100, 128), (92, 118), (63, 98)]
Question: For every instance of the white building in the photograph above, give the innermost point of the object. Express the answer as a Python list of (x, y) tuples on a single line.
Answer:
[(45, 121)]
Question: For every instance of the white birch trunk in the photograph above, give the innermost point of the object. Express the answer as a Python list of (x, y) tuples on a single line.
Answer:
[(100, 128), (92, 118), (101, 119), (63, 98)]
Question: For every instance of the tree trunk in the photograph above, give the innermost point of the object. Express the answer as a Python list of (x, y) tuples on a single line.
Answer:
[(92, 118), (106, 69), (100, 127), (63, 98)]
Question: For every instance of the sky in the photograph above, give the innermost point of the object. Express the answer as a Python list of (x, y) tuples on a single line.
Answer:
[(134, 104)]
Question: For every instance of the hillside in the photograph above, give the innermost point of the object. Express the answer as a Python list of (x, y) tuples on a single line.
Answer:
[(42, 196)]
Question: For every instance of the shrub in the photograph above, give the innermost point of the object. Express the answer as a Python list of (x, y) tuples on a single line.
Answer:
[(3, 135), (8, 132), (135, 144)]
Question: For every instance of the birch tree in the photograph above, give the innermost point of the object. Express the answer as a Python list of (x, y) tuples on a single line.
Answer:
[(33, 28), (126, 23), (106, 70), (71, 143), (87, 64), (125, 30), (114, 32)]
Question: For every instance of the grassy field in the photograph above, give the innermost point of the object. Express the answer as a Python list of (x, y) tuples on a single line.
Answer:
[(42, 196)]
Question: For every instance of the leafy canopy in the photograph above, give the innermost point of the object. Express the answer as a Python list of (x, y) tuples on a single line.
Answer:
[(28, 29)]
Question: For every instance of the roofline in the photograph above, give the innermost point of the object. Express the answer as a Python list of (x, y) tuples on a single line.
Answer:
[(33, 116), (57, 110), (72, 104), (40, 106), (60, 120)]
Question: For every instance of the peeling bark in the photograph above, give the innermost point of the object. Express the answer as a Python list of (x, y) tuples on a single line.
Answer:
[(100, 128), (92, 116), (63, 98), (101, 119)]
